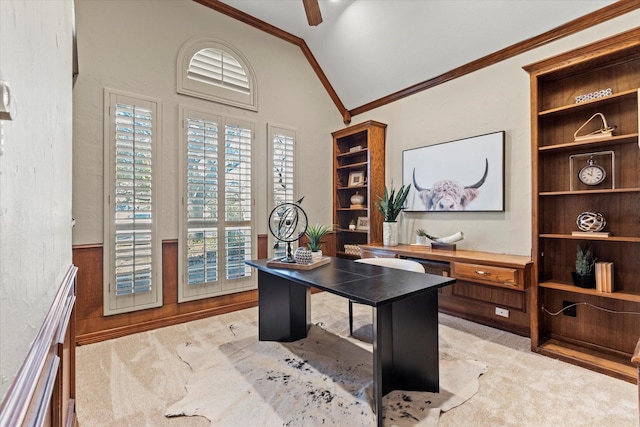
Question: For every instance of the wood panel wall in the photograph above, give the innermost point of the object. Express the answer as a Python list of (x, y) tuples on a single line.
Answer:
[(92, 326)]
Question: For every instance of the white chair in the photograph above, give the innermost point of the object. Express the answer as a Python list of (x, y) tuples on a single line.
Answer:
[(400, 264)]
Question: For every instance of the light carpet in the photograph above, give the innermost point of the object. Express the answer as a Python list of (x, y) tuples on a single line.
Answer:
[(323, 379), (132, 381)]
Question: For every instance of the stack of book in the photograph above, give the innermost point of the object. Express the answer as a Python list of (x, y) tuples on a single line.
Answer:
[(604, 276)]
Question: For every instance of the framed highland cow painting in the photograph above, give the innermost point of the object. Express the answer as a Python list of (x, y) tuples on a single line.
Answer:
[(461, 175)]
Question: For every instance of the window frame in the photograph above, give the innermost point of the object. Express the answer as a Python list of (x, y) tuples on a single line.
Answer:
[(222, 286), (113, 304), (219, 94)]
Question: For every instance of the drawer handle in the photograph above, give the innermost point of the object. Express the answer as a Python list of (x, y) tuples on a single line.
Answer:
[(483, 273)]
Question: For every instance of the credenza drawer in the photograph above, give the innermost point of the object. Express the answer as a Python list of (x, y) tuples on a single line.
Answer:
[(487, 274)]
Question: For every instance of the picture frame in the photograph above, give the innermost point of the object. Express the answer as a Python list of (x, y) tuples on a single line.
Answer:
[(461, 175), (356, 179), (362, 223)]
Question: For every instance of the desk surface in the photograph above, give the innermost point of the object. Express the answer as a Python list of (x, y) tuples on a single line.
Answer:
[(426, 252), (367, 284)]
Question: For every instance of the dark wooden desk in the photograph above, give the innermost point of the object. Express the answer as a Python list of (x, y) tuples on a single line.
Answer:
[(405, 316)]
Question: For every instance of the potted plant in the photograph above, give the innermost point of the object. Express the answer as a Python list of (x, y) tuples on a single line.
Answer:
[(352, 224), (584, 275), (315, 233), (421, 237), (390, 206)]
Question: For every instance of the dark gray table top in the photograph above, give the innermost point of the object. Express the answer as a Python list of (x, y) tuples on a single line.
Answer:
[(367, 284)]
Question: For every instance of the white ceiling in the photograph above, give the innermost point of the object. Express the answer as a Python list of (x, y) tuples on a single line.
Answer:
[(369, 49)]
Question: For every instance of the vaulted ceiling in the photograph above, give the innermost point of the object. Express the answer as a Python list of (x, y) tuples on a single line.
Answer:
[(370, 52)]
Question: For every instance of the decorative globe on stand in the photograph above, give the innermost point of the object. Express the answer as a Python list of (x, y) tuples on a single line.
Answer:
[(287, 223)]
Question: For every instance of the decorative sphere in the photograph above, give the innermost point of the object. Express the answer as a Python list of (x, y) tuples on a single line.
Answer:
[(591, 221), (287, 222)]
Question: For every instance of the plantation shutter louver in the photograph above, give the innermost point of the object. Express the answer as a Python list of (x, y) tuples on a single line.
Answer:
[(238, 200), (218, 204), (132, 273), (282, 160), (211, 69), (134, 216), (215, 67), (202, 201)]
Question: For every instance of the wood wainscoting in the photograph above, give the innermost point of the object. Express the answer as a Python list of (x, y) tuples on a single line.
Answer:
[(93, 326), (43, 391)]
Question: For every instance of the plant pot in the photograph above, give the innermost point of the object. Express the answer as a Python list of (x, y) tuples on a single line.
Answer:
[(316, 256), (390, 233), (421, 240), (588, 281), (302, 256)]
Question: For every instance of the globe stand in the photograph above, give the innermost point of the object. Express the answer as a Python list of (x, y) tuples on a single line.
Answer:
[(287, 223), (289, 258)]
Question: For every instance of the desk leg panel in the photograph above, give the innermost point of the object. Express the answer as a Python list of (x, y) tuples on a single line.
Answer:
[(415, 343), (284, 309), (405, 348), (382, 356)]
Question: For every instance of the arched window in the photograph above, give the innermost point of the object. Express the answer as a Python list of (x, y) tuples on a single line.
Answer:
[(213, 70)]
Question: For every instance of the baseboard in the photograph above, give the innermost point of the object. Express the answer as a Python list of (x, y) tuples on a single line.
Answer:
[(107, 334)]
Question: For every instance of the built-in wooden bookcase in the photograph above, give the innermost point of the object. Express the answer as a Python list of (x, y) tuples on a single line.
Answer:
[(358, 165), (603, 334)]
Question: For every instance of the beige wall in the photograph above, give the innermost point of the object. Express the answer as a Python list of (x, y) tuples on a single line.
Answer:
[(132, 46), (493, 99), (35, 171)]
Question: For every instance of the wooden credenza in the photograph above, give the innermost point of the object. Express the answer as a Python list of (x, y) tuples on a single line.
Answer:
[(487, 283)]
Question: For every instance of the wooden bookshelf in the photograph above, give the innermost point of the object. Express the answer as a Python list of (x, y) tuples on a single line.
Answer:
[(603, 334), (358, 149)]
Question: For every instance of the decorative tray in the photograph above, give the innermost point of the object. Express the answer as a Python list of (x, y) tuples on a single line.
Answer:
[(276, 263)]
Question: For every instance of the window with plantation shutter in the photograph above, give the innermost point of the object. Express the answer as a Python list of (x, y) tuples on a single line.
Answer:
[(214, 70), (216, 225), (217, 68), (131, 247), (282, 173)]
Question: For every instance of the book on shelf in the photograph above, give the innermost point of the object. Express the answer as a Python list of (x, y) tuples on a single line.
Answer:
[(604, 276)]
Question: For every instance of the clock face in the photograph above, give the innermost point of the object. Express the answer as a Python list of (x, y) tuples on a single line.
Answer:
[(592, 174)]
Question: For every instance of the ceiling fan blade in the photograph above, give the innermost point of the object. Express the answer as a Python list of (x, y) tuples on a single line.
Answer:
[(312, 9)]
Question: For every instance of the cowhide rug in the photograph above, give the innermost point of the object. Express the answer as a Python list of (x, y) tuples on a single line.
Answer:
[(324, 379)]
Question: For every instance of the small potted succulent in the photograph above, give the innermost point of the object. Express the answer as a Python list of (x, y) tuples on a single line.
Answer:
[(584, 276), (315, 233), (352, 224), (421, 237), (390, 205)]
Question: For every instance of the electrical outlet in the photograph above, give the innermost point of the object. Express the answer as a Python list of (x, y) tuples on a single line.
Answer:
[(502, 312), (571, 311)]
